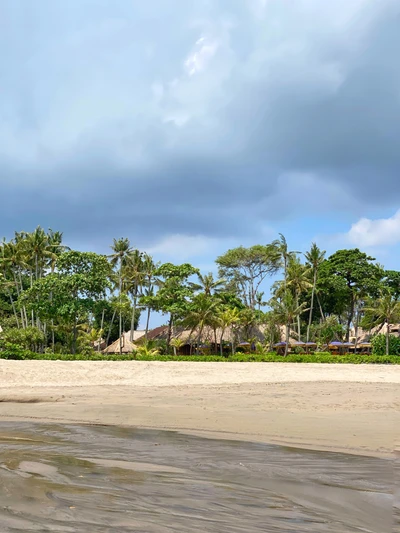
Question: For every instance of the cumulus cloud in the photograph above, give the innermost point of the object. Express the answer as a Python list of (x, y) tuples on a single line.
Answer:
[(380, 232), (154, 119)]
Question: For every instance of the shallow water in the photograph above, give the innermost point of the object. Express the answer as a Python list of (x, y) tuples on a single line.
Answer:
[(70, 478)]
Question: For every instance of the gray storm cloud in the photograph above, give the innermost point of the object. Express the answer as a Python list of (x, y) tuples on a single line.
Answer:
[(154, 118)]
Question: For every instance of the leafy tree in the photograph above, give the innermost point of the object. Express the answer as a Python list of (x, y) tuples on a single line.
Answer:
[(328, 331), (174, 291), (391, 281), (347, 277), (71, 292), (246, 268)]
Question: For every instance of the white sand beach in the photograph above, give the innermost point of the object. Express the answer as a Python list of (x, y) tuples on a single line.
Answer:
[(353, 408)]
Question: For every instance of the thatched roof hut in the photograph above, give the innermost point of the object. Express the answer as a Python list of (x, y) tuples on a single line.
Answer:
[(127, 345)]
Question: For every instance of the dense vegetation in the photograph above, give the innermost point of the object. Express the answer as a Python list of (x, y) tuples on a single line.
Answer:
[(54, 300)]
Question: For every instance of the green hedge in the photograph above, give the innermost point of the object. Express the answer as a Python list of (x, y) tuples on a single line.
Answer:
[(239, 357)]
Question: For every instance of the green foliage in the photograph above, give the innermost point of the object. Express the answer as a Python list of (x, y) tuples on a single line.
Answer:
[(246, 268), (379, 345), (26, 339), (325, 358)]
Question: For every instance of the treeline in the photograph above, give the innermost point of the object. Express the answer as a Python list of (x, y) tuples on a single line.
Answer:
[(60, 300)]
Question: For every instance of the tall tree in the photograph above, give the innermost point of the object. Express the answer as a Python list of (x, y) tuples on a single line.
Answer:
[(346, 277), (121, 257), (174, 291), (246, 268), (314, 257)]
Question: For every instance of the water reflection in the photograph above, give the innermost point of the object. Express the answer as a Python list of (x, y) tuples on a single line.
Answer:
[(97, 479)]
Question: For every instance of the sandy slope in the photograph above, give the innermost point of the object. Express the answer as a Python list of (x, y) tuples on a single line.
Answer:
[(339, 407)]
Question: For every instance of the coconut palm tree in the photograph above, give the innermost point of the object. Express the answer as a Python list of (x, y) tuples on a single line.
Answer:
[(298, 282), (282, 249), (202, 310), (315, 257), (176, 344), (134, 282), (121, 257), (207, 284), (385, 310), (227, 316), (286, 311)]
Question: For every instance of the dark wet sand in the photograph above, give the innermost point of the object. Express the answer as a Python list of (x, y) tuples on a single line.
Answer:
[(72, 478)]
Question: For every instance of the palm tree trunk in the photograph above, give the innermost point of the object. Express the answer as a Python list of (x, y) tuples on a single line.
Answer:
[(13, 308), (147, 322), (111, 324), (298, 321), (120, 307), (101, 329), (287, 339), (171, 319), (220, 342), (312, 306), (387, 338), (320, 307), (199, 338), (133, 316), (52, 335)]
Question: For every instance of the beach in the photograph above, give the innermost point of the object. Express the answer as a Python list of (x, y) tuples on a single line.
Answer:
[(347, 408)]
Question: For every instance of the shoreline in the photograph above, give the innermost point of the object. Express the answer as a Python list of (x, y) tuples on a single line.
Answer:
[(351, 409)]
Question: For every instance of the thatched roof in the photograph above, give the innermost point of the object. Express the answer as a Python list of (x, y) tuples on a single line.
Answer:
[(365, 335), (127, 345)]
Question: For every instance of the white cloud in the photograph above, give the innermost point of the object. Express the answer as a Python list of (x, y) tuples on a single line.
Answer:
[(180, 247), (383, 231)]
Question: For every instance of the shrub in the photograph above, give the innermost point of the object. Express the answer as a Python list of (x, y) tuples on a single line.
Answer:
[(379, 345)]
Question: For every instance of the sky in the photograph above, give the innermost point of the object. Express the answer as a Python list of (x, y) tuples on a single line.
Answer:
[(195, 126)]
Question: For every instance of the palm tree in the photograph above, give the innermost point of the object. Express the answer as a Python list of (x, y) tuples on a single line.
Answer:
[(286, 311), (298, 282), (227, 316), (135, 278), (120, 257), (282, 249), (176, 344), (259, 300), (315, 257), (385, 310), (207, 284), (148, 271), (202, 311)]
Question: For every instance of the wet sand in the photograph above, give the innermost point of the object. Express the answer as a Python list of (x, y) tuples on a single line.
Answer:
[(349, 408), (71, 478)]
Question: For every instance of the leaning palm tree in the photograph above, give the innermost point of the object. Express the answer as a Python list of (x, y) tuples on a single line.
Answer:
[(120, 257), (384, 310), (315, 257), (286, 310), (281, 247)]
